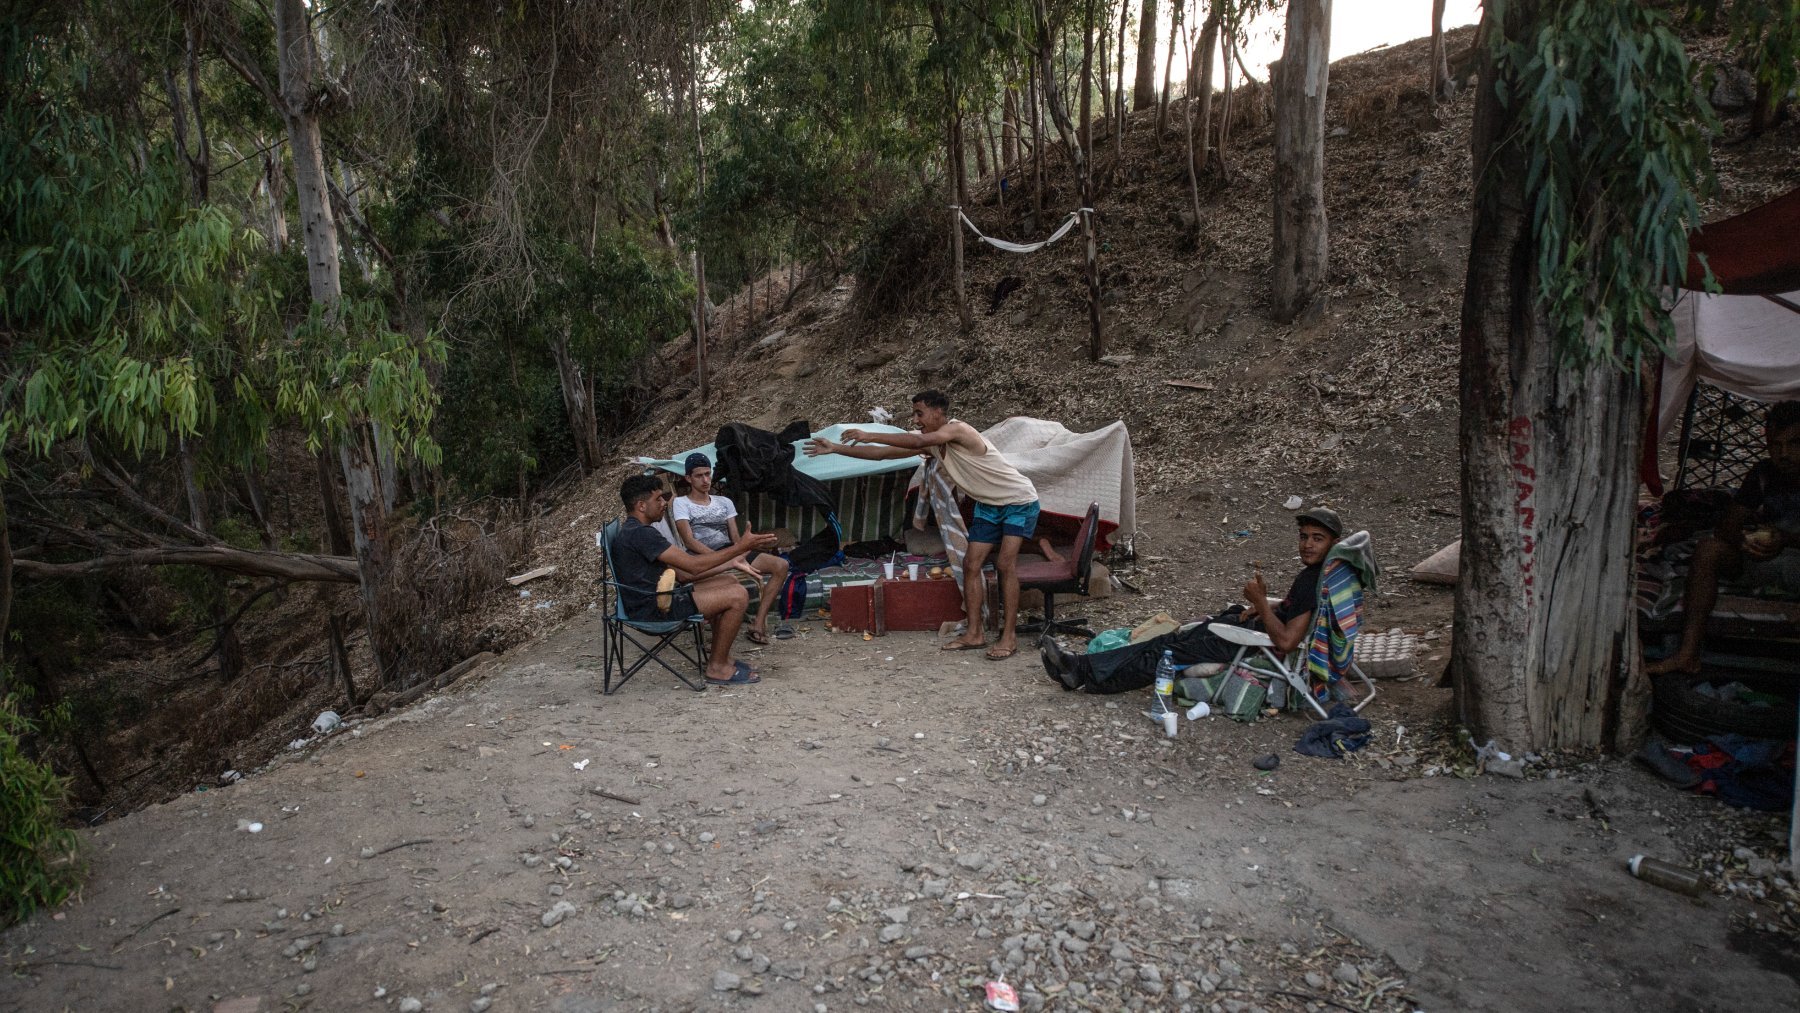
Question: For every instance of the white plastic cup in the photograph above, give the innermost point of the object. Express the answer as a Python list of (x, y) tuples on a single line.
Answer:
[(1199, 710), (1170, 722), (912, 571), (887, 570)]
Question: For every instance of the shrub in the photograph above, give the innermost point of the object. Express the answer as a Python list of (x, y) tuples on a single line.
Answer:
[(38, 859)]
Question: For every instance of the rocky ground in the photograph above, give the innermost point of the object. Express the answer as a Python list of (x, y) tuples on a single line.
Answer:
[(883, 824)]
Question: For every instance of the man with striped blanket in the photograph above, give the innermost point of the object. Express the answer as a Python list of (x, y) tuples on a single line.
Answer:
[(1289, 623)]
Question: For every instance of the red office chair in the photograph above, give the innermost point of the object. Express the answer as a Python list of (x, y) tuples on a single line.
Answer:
[(1065, 576)]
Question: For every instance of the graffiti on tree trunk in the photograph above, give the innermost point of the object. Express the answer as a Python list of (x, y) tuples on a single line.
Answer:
[(1524, 480)]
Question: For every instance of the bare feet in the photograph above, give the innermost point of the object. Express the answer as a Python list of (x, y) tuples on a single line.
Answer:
[(1678, 662)]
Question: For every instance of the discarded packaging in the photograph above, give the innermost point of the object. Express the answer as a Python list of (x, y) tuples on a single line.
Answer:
[(581, 764), (1001, 996), (327, 722), (1667, 876), (250, 826), (1293, 503)]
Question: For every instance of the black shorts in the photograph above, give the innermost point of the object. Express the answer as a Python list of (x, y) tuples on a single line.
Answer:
[(681, 606)]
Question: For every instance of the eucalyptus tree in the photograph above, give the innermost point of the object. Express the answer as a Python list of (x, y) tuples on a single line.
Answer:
[(135, 318), (1143, 89), (1590, 142), (1301, 249)]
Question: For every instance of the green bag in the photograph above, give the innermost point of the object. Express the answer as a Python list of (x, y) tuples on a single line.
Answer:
[(1241, 693), (1237, 693), (1109, 640)]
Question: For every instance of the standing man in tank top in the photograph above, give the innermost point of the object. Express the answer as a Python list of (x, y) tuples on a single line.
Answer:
[(1006, 505)]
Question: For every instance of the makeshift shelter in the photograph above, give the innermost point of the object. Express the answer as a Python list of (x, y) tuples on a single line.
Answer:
[(1734, 352), (870, 495), (1069, 469), (1744, 340)]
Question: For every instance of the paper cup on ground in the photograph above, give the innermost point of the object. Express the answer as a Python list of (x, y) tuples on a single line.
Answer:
[(1169, 723)]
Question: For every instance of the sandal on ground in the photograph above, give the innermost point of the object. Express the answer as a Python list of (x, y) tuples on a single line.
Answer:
[(742, 675), (958, 645), (1001, 653), (784, 632), (757, 636)]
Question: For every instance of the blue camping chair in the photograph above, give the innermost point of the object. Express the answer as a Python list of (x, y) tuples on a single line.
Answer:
[(659, 634)]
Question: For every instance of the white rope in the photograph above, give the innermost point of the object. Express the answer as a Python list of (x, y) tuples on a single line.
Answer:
[(1001, 244)]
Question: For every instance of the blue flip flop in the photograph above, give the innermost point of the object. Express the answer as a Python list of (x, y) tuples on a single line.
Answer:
[(741, 675)]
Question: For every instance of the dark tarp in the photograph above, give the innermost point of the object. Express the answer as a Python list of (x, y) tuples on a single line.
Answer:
[(1755, 253)]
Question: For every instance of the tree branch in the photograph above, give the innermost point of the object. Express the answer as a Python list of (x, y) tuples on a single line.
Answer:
[(250, 562)]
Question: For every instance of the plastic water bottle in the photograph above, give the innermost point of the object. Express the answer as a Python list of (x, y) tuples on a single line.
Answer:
[(1164, 708), (1667, 876)]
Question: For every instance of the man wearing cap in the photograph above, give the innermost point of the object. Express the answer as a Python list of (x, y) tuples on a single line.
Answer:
[(1287, 623), (705, 522)]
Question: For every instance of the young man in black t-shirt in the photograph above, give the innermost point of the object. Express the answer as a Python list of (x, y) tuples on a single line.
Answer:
[(1757, 539), (1287, 623), (644, 561)]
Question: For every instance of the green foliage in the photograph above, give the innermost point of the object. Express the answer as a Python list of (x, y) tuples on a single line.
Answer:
[(1767, 33), (39, 864), (1600, 100)]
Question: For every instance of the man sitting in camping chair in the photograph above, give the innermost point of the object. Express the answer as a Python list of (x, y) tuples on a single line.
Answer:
[(1290, 624), (647, 563)]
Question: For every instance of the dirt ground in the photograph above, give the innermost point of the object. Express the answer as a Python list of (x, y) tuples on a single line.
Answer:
[(881, 823)]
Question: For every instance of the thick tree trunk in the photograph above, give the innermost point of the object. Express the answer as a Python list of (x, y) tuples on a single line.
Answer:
[(1440, 62), (298, 60), (1298, 274), (1143, 89), (1545, 648)]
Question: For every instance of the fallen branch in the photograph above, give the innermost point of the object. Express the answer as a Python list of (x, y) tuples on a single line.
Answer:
[(249, 562), (603, 793), (441, 680), (127, 936), (483, 934), (397, 847)]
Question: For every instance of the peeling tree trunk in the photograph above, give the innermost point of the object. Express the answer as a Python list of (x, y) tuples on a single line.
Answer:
[(1143, 89), (1440, 65), (1298, 274), (298, 61), (1545, 642)]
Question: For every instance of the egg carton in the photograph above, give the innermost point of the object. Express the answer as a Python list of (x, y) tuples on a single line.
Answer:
[(1390, 655)]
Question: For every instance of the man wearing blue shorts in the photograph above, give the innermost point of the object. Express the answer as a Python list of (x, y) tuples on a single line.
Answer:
[(1006, 505)]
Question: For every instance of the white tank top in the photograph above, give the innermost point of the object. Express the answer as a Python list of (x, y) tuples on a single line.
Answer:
[(986, 477)]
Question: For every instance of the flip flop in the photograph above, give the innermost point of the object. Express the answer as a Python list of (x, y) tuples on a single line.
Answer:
[(742, 675), (1001, 653), (757, 637), (958, 645), (784, 632)]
